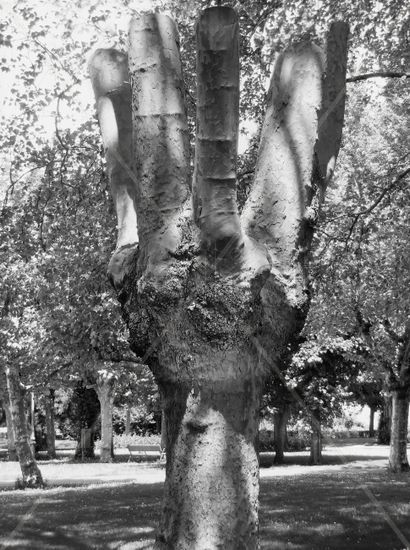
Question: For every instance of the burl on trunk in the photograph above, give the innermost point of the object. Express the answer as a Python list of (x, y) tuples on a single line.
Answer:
[(213, 297)]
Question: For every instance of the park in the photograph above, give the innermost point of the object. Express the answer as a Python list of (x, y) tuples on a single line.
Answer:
[(205, 259)]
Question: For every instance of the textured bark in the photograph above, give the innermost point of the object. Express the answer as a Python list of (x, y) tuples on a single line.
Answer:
[(214, 184), (11, 446), (50, 428), (105, 392), (208, 306), (31, 474), (398, 461), (315, 440), (280, 434)]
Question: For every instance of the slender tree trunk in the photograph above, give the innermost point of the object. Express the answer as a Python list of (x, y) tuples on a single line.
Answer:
[(398, 461), (29, 469), (105, 392), (163, 430), (371, 422), (280, 435), (128, 420), (50, 427), (383, 437), (11, 446), (212, 468), (315, 440)]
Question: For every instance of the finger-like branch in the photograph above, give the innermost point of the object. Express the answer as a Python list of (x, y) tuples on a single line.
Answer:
[(160, 133), (333, 101), (276, 205), (109, 75), (217, 129)]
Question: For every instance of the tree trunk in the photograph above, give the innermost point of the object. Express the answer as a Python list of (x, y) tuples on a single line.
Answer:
[(163, 430), (371, 422), (280, 435), (212, 468), (105, 392), (398, 461), (31, 474), (383, 437), (128, 420), (11, 446), (212, 306), (50, 427), (315, 440)]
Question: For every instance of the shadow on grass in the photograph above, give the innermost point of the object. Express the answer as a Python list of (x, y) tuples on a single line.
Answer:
[(335, 512), (328, 511), (117, 516)]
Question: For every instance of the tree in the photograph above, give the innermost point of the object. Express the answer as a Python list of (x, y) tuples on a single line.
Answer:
[(217, 301)]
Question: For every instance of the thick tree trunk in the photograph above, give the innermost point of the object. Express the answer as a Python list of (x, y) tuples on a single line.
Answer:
[(315, 440), (383, 437), (211, 489), (50, 427), (31, 474), (371, 422), (217, 304), (105, 392), (11, 446), (398, 461), (280, 434)]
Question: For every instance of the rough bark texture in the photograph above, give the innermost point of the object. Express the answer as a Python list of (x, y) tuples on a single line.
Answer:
[(211, 305), (50, 428), (315, 440), (398, 461), (105, 392), (31, 474), (280, 434)]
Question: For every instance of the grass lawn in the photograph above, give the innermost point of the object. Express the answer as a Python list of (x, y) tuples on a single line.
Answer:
[(350, 502)]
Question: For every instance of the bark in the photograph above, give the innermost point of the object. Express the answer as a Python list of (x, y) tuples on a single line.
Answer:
[(398, 461), (11, 446), (31, 474), (315, 440), (281, 420), (207, 306), (109, 74), (371, 422), (50, 428), (105, 392), (383, 437), (211, 489)]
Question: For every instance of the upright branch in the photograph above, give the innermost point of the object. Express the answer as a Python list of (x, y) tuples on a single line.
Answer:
[(161, 144), (109, 75), (214, 185), (298, 149)]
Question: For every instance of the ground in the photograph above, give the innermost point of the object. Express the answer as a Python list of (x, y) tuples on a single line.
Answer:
[(350, 502)]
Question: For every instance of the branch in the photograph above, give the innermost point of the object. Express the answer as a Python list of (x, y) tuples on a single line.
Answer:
[(379, 74), (392, 333), (377, 201)]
